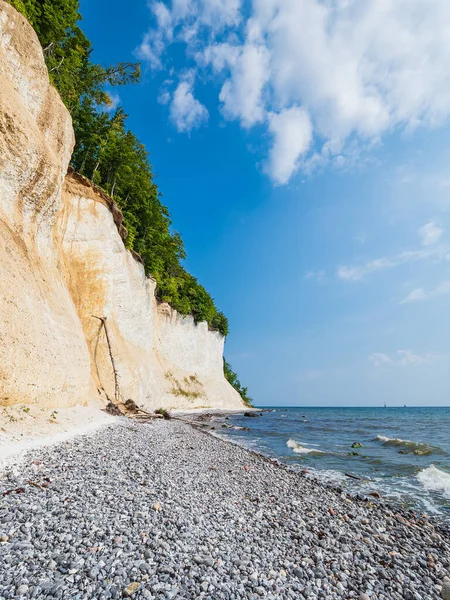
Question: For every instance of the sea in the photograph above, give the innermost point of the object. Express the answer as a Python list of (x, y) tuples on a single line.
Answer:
[(403, 453)]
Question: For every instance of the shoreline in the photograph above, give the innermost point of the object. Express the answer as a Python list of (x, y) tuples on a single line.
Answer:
[(168, 512), (429, 477), (389, 503)]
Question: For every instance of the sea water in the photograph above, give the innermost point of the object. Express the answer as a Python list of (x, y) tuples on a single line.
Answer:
[(403, 453)]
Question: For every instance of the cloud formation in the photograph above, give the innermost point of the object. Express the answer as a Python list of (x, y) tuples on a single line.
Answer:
[(402, 358), (186, 112), (358, 273), (356, 70), (419, 294), (291, 130), (317, 276), (430, 233)]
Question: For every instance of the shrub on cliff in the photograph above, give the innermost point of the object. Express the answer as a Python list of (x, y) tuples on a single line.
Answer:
[(233, 379)]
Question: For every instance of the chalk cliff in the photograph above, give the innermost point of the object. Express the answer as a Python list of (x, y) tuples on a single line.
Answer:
[(75, 305)]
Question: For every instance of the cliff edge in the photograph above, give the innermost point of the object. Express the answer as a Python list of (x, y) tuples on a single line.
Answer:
[(79, 318)]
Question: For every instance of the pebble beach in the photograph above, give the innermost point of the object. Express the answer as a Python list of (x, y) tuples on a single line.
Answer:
[(164, 510)]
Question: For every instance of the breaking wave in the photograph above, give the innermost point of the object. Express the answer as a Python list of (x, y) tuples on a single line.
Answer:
[(434, 479), (418, 448), (299, 449)]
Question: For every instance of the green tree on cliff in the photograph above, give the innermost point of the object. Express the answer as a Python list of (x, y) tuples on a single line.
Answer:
[(112, 157), (67, 52)]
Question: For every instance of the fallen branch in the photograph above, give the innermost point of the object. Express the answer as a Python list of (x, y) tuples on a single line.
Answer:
[(19, 490), (38, 485), (114, 410), (353, 477)]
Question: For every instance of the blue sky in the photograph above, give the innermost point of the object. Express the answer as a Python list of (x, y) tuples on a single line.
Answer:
[(302, 148)]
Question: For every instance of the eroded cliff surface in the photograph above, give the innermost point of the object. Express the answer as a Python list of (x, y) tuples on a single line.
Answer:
[(64, 269), (43, 353)]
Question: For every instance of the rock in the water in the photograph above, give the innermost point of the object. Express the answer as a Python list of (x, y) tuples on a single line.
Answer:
[(357, 445), (374, 494)]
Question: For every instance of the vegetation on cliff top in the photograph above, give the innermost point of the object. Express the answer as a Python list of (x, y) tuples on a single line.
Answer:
[(112, 157), (232, 378)]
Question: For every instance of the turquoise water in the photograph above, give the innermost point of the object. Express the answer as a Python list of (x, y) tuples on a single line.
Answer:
[(405, 453)]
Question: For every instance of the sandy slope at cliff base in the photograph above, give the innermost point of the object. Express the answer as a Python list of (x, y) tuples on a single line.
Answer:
[(24, 428)]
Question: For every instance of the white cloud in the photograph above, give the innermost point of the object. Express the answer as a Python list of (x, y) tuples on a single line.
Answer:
[(163, 16), (414, 296), (292, 133), (182, 22), (164, 97), (186, 112), (156, 39), (407, 358), (359, 69), (217, 14), (430, 233), (358, 273), (241, 94), (402, 358), (419, 294), (317, 276), (379, 359)]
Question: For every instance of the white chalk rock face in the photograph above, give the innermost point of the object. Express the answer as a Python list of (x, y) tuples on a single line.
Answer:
[(78, 317), (43, 354), (161, 358)]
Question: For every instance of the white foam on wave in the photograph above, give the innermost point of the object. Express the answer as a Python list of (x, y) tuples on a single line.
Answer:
[(299, 449), (418, 448), (436, 480), (387, 440)]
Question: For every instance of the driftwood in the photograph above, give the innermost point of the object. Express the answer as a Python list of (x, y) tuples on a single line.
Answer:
[(354, 477), (114, 410), (130, 409), (119, 407)]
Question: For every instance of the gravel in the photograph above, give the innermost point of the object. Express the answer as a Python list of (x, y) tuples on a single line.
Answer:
[(165, 511)]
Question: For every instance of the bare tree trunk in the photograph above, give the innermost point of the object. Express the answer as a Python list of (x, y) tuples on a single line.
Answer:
[(117, 395), (57, 67), (95, 169)]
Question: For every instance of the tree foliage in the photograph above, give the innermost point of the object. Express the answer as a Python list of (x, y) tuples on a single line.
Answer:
[(233, 379), (112, 157)]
